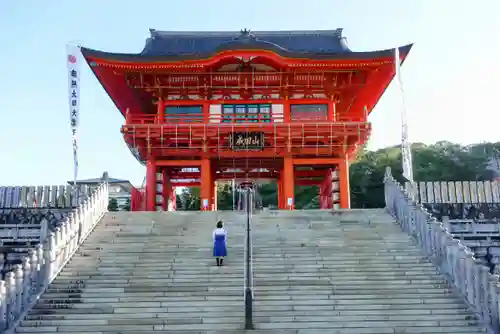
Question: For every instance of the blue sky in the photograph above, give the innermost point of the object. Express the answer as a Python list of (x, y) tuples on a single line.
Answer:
[(451, 78)]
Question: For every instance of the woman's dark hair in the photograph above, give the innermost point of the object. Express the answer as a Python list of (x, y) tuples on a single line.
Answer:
[(219, 224)]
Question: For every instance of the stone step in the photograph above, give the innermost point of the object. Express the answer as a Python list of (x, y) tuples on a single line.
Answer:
[(203, 288), (152, 284), (151, 272), (371, 327), (204, 274), (263, 321), (333, 303), (239, 292), (447, 330), (259, 284), (365, 265), (148, 304), (256, 261), (233, 266), (152, 281), (415, 314), (350, 272), (436, 308), (291, 269), (259, 296), (264, 286)]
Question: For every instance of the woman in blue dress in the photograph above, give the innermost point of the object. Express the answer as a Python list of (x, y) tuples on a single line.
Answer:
[(220, 247)]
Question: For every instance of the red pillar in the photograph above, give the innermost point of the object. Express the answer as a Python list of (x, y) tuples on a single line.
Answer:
[(173, 200), (206, 112), (345, 195), (151, 184), (167, 189), (322, 194), (160, 111), (288, 183), (206, 187), (280, 191), (329, 189), (213, 194), (286, 110)]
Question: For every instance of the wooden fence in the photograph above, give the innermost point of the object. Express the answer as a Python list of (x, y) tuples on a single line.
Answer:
[(442, 192), (63, 196)]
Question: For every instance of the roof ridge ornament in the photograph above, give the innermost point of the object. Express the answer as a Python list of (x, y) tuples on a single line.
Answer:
[(245, 35)]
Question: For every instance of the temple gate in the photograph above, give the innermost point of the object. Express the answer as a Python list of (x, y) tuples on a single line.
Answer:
[(289, 106)]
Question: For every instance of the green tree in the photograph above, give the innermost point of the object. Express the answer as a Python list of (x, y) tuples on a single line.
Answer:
[(126, 207), (442, 161), (113, 204), (224, 196), (189, 199)]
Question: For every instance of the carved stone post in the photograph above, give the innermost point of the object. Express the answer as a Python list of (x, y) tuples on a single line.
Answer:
[(49, 257), (11, 296), (18, 274), (3, 306), (27, 280), (40, 267), (32, 255)]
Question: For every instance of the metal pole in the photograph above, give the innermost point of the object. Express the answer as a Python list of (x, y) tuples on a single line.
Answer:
[(248, 267), (234, 195)]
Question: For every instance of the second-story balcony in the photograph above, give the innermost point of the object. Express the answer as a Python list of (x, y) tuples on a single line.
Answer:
[(239, 136)]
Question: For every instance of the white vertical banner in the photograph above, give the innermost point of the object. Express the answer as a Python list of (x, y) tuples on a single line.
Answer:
[(72, 61), (405, 143)]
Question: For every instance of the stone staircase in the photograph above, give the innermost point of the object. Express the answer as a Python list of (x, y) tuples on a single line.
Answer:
[(145, 273), (352, 273)]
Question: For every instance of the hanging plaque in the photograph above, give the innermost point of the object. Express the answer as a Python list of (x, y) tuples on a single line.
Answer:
[(247, 141)]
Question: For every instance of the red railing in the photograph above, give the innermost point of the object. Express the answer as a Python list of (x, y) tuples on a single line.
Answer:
[(235, 118), (144, 119), (183, 118), (138, 198)]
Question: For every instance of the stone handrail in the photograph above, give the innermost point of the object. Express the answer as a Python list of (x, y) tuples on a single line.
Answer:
[(62, 196), (472, 280), (23, 286), (473, 192)]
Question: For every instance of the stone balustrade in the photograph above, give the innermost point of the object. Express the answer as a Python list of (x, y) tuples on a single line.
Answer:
[(455, 191), (458, 200), (23, 229), (461, 211), (43, 196), (26, 225), (22, 286), (466, 273)]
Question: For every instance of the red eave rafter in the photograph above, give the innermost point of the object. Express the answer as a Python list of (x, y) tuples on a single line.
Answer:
[(209, 62)]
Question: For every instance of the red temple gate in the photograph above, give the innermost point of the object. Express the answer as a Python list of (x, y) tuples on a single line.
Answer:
[(202, 107)]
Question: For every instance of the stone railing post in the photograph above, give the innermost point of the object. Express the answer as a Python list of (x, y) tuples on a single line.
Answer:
[(26, 265), (33, 261), (18, 276), (3, 306), (39, 274), (10, 281), (49, 257)]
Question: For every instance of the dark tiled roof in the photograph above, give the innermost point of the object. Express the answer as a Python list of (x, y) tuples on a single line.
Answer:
[(182, 45), (98, 180), (104, 177), (164, 43)]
